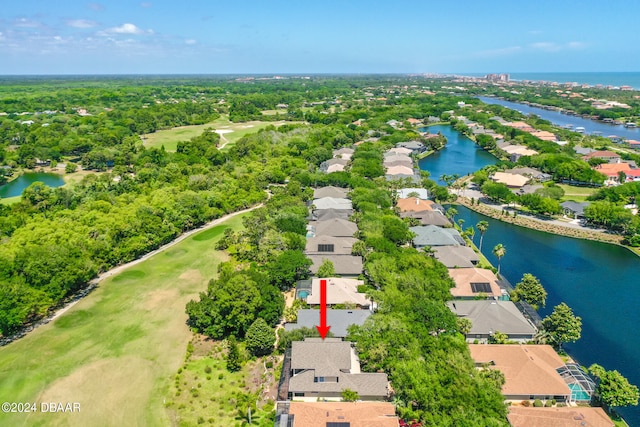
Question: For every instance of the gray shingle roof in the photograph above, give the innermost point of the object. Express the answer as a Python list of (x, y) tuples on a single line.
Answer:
[(489, 316), (331, 358), (325, 214), (332, 203), (430, 235), (348, 265), (428, 218), (334, 227), (339, 320), (341, 245), (456, 256), (576, 207), (330, 191)]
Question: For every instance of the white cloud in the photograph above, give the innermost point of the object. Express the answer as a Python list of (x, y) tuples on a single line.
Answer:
[(146, 4), (535, 32), (81, 23), (557, 47), (546, 46), (576, 45), (125, 29), (190, 41), (26, 23)]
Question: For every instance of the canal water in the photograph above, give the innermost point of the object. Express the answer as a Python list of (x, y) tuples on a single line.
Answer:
[(17, 186), (461, 156), (600, 282), (560, 119)]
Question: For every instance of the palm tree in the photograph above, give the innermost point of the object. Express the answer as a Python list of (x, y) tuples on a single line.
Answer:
[(482, 226), (451, 214), (499, 250)]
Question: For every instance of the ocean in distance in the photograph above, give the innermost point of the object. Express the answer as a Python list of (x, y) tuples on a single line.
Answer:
[(627, 78)]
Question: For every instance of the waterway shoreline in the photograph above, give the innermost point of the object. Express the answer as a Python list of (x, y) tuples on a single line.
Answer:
[(537, 225)]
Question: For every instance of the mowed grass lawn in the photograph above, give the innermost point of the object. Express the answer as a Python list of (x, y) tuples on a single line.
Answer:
[(117, 350), (170, 137), (577, 194)]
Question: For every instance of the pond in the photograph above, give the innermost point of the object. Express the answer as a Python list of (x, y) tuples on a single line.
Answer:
[(17, 186)]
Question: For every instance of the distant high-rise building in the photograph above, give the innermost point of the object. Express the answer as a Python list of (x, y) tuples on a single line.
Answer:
[(497, 77)]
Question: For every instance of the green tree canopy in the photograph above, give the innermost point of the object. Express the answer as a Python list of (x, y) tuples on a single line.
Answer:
[(260, 338), (613, 388), (530, 289), (562, 325), (326, 269)]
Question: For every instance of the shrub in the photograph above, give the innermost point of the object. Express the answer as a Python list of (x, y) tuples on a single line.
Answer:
[(526, 403), (538, 403), (548, 404), (269, 364), (207, 369)]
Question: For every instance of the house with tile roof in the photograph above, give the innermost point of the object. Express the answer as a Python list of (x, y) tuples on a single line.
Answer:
[(456, 256), (340, 290), (530, 371), (431, 235), (336, 227), (344, 265), (473, 283), (489, 316), (414, 204), (339, 414), (568, 416), (511, 180)]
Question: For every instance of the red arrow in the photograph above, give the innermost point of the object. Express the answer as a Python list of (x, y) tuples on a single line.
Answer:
[(323, 328)]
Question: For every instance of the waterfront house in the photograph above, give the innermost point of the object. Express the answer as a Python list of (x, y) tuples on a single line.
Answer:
[(474, 283), (489, 316), (322, 369), (544, 135), (530, 371), (434, 217), (339, 320), (405, 163), (416, 147), (568, 416), (573, 209), (330, 414), (430, 235), (330, 191), (511, 180), (456, 256), (344, 265)]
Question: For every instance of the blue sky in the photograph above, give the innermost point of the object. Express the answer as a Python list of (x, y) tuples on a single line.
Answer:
[(329, 36)]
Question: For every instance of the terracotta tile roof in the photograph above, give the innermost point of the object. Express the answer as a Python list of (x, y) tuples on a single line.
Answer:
[(464, 277), (357, 414), (520, 416), (414, 204), (528, 369)]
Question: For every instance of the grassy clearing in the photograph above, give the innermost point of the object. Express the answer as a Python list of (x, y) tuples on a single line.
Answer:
[(205, 393), (117, 350), (10, 200), (577, 194), (170, 137)]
